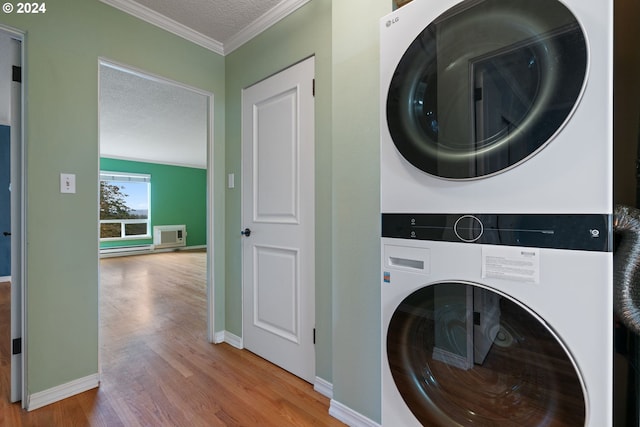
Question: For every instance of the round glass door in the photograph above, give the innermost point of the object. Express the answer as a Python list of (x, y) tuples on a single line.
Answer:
[(462, 355), (486, 85)]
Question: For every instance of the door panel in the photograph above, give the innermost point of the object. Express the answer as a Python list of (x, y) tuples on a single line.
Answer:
[(276, 159), (276, 284), (278, 209)]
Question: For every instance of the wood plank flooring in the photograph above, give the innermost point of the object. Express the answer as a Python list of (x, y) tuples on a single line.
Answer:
[(158, 368)]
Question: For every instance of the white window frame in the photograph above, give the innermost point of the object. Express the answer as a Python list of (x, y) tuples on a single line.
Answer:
[(128, 177)]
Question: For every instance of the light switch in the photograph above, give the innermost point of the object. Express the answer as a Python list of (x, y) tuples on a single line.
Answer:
[(231, 178), (67, 183)]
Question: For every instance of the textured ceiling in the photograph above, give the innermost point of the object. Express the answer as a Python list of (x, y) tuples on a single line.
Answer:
[(218, 25), (151, 120), (217, 19)]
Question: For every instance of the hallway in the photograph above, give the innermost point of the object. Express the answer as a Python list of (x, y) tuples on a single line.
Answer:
[(157, 367)]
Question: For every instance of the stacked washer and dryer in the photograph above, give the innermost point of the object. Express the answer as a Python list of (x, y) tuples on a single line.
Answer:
[(496, 201)]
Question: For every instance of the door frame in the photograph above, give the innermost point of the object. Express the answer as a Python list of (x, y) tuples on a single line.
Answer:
[(210, 180), (19, 221)]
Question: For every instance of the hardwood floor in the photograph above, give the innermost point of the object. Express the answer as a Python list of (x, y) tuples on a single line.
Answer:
[(158, 368)]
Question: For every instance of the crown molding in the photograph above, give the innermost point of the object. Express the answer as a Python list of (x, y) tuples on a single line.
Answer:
[(252, 30), (262, 23), (154, 18)]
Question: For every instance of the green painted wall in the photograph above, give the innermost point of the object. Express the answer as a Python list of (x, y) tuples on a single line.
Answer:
[(61, 130), (63, 47), (304, 33), (178, 196), (356, 201)]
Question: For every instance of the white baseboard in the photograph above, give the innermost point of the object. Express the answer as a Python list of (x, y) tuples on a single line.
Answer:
[(218, 337), (323, 387), (120, 251), (180, 248), (5, 279), (350, 417), (229, 338), (52, 395)]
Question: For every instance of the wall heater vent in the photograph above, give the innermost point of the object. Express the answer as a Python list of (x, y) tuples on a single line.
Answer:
[(169, 236)]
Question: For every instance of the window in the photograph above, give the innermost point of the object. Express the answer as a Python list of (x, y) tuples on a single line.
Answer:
[(124, 206)]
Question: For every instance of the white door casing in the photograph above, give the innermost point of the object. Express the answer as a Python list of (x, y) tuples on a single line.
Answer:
[(278, 207), (11, 114), (17, 269)]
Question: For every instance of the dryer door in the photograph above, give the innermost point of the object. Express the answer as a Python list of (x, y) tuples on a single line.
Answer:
[(486, 85), (463, 355)]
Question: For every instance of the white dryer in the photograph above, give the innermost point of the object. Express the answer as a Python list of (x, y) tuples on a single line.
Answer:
[(496, 201), (497, 106), (496, 320)]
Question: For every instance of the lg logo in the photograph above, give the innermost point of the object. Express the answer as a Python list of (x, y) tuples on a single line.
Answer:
[(390, 22)]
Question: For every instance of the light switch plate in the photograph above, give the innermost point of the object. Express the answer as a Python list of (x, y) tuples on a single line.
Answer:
[(67, 183)]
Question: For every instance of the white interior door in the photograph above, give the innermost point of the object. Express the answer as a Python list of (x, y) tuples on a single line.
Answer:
[(278, 208)]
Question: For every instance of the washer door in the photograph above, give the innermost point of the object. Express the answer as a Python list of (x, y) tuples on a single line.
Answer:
[(486, 85), (463, 355)]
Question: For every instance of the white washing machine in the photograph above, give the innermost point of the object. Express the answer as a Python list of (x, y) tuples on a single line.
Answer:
[(496, 320), (496, 201), (507, 99)]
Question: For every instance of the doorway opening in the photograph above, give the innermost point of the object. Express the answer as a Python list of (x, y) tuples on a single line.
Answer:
[(155, 134), (12, 212)]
